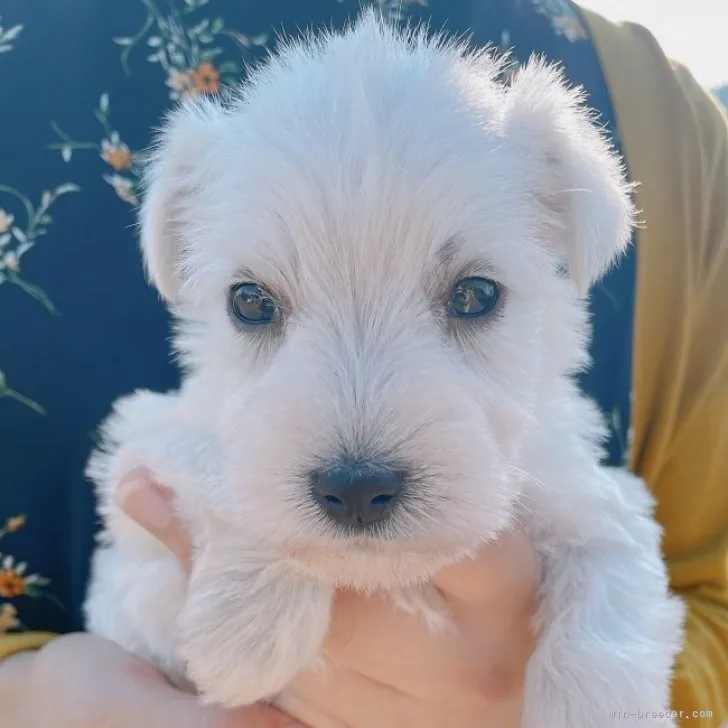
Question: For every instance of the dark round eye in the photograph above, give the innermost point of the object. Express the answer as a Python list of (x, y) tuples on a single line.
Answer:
[(252, 304), (473, 298)]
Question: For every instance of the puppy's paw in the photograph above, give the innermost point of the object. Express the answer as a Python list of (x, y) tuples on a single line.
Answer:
[(157, 432), (250, 625)]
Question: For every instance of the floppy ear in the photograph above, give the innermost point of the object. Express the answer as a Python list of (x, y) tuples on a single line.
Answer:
[(580, 180), (177, 170)]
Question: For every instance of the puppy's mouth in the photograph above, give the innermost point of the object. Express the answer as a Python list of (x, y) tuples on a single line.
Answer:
[(364, 562)]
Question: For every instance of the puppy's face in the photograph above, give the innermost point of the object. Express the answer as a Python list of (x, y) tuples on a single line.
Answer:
[(367, 256)]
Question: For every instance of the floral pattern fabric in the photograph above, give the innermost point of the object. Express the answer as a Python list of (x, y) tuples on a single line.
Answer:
[(84, 83)]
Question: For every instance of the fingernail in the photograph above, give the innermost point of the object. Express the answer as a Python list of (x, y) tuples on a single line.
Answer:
[(147, 477), (146, 503), (139, 473)]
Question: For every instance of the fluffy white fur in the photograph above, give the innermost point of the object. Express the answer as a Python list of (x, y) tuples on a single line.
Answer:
[(359, 176)]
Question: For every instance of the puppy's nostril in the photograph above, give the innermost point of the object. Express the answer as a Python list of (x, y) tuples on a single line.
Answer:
[(357, 493), (381, 501)]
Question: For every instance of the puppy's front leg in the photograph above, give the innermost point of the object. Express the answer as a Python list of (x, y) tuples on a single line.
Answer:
[(250, 625), (607, 647)]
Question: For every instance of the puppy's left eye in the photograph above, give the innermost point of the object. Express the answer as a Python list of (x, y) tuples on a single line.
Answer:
[(473, 298), (251, 304)]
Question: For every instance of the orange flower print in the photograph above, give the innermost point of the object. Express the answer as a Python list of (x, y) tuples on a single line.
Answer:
[(116, 154), (196, 53), (183, 84), (8, 617), (12, 584), (207, 78), (15, 523), (111, 149)]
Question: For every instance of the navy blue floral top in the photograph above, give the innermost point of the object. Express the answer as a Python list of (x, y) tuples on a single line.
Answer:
[(83, 83)]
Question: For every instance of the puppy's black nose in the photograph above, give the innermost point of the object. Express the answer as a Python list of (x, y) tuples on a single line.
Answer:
[(357, 492)]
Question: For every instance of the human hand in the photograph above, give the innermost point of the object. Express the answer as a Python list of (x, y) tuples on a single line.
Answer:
[(387, 669), (84, 681)]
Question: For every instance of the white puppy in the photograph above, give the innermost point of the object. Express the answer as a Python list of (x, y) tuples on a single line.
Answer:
[(377, 255)]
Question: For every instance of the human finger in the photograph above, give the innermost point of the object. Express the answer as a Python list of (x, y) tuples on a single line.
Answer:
[(152, 506)]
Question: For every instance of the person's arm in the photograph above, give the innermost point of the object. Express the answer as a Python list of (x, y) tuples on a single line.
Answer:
[(81, 680), (689, 472), (675, 137)]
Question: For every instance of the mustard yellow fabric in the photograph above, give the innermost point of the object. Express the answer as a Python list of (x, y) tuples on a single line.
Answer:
[(675, 139), (11, 644)]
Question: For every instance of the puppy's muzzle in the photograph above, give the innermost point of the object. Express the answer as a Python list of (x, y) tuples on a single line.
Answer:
[(357, 493)]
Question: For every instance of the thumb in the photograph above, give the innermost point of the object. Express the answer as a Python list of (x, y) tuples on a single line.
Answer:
[(152, 507)]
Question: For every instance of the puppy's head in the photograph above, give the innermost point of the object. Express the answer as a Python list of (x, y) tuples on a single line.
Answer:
[(376, 253)]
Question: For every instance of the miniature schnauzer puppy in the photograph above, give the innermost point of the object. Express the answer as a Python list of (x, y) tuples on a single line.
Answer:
[(377, 253)]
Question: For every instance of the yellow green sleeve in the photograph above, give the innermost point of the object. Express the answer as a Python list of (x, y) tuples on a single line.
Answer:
[(11, 644), (675, 138)]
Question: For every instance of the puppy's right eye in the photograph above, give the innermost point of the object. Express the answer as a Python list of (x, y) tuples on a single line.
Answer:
[(252, 305), (474, 297)]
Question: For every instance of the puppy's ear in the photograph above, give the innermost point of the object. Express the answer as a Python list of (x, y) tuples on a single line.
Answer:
[(579, 180), (177, 170)]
